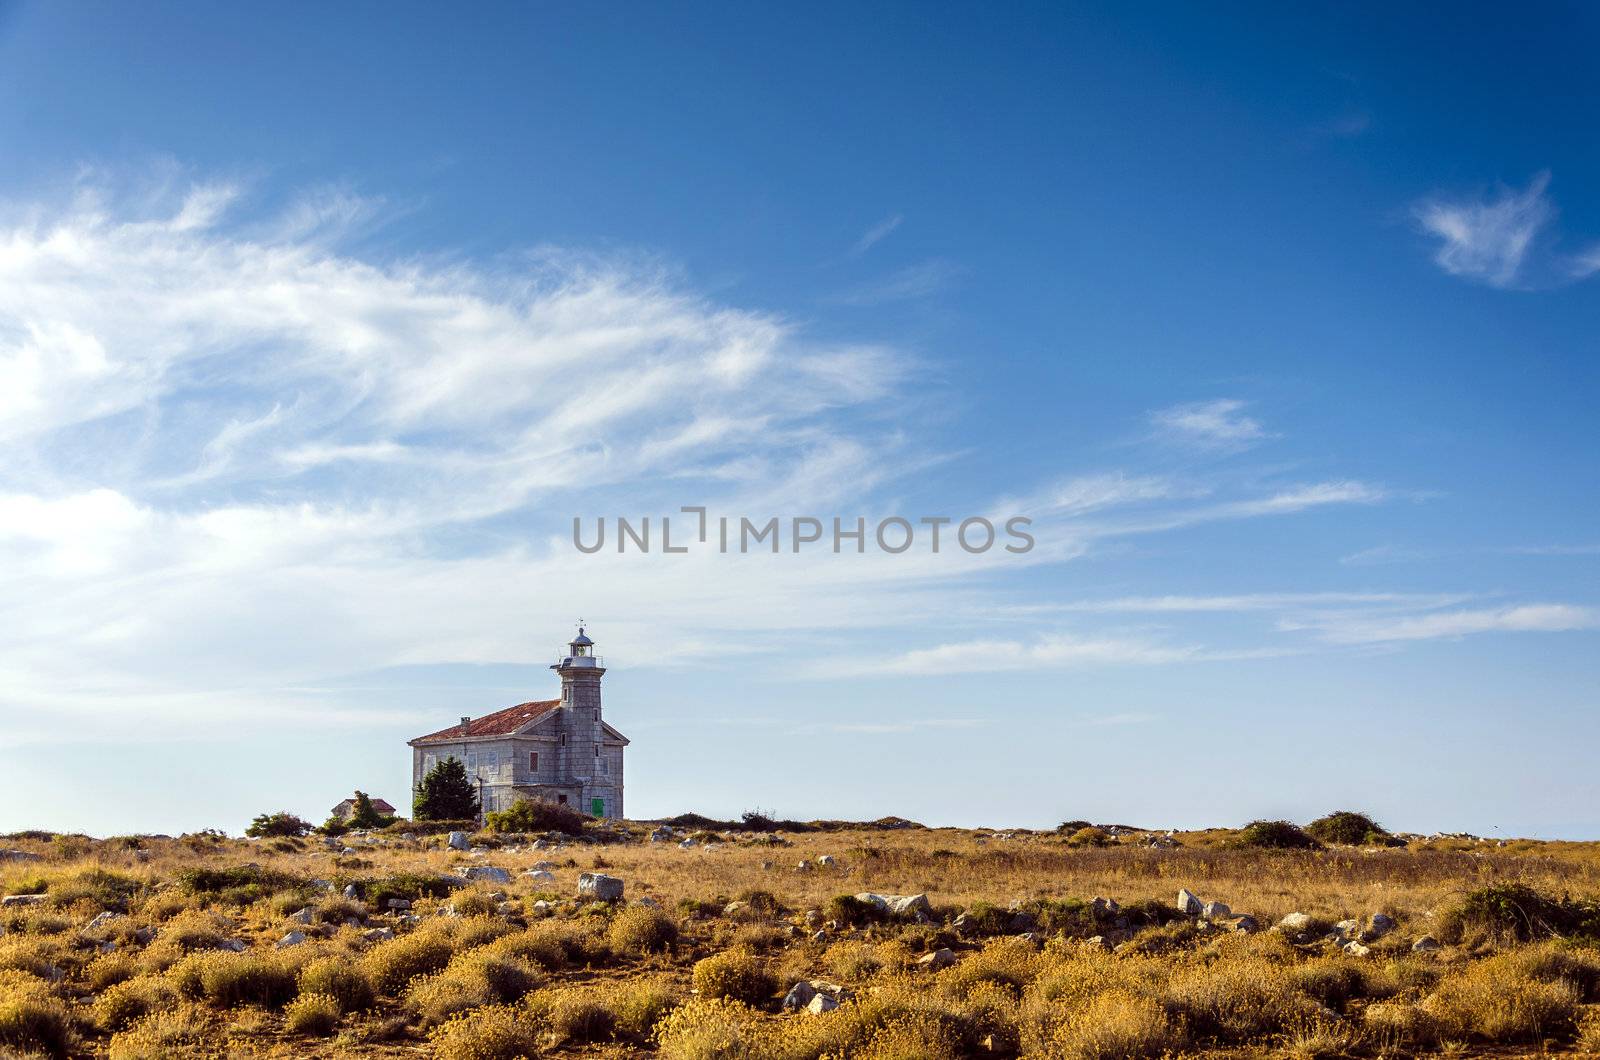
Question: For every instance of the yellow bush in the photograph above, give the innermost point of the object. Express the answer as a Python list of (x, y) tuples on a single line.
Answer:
[(640, 1004), (227, 979), (391, 965), (313, 1014), (734, 974), (573, 1014), (185, 1031), (121, 1004), (336, 977), (639, 929), (1497, 1000), (498, 1033), (1116, 1026), (34, 1023), (715, 1029)]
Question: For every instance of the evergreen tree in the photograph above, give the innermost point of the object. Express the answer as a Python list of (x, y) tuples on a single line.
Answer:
[(364, 816), (445, 794)]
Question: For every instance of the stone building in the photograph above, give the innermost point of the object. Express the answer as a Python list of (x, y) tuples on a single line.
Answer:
[(559, 750)]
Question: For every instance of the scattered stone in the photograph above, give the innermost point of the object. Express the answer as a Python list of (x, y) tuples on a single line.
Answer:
[(1246, 924), (539, 875), (964, 925), (819, 936), (1032, 936), (899, 905), (813, 918), (735, 908), (12, 900), (541, 844), (1347, 928), (1377, 927), (599, 887), (799, 995), (20, 855), (1023, 921), (1104, 906), (541, 866), (939, 958), (459, 841), (542, 908), (1216, 911), (647, 902), (350, 891), (826, 861), (488, 873), (293, 938), (399, 903), (382, 934), (1355, 949), (1189, 904), (304, 916), (102, 920), (1297, 923), (821, 1003), (238, 945), (804, 866), (1426, 944)]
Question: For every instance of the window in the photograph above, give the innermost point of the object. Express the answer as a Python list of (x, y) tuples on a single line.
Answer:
[(533, 761), (428, 763), (605, 767), (489, 762), (472, 763), (563, 739)]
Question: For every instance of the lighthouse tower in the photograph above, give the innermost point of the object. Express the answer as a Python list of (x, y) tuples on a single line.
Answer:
[(581, 753)]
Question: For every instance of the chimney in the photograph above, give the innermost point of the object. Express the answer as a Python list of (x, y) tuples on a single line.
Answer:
[(466, 726)]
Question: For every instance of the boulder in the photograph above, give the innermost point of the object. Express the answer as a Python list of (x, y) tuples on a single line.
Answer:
[(1355, 949), (19, 855), (821, 1003), (459, 841), (819, 936), (599, 887), (939, 958), (399, 903), (1216, 911), (382, 934), (538, 876), (542, 908), (293, 938), (1378, 926), (826, 861), (304, 916), (1188, 903), (686, 844), (1347, 928), (1104, 907), (237, 945), (102, 920), (350, 891), (1246, 924), (1023, 921), (489, 874), (799, 995), (735, 908), (1426, 944)]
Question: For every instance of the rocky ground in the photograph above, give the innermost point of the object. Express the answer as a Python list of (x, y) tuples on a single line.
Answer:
[(878, 941)]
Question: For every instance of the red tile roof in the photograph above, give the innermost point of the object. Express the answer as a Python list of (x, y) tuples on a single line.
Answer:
[(500, 723)]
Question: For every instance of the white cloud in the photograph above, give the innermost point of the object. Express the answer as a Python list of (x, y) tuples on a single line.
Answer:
[(1049, 652), (912, 282), (876, 234), (1487, 239), (1217, 424), (1526, 618)]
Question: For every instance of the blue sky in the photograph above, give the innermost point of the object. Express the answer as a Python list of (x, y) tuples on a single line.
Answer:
[(319, 326)]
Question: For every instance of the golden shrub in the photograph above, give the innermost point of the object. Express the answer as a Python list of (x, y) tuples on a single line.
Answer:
[(734, 974), (496, 1033), (313, 1014)]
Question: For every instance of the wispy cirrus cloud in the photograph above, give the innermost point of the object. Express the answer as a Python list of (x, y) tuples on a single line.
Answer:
[(921, 280), (1523, 618), (1502, 238), (1220, 424), (876, 234)]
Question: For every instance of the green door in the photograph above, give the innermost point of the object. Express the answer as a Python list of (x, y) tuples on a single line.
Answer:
[(597, 807)]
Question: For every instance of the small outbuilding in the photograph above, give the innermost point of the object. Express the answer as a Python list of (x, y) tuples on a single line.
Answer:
[(345, 809)]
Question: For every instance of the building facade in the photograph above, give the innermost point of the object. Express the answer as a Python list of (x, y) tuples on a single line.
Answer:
[(560, 750)]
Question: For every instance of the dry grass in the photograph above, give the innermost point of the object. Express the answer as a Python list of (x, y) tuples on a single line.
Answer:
[(188, 964)]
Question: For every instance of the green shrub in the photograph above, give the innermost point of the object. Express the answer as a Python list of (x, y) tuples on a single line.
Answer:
[(227, 979), (736, 975), (537, 815), (851, 911), (1349, 828), (1275, 835), (314, 1014), (1090, 837), (282, 824), (1516, 911)]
